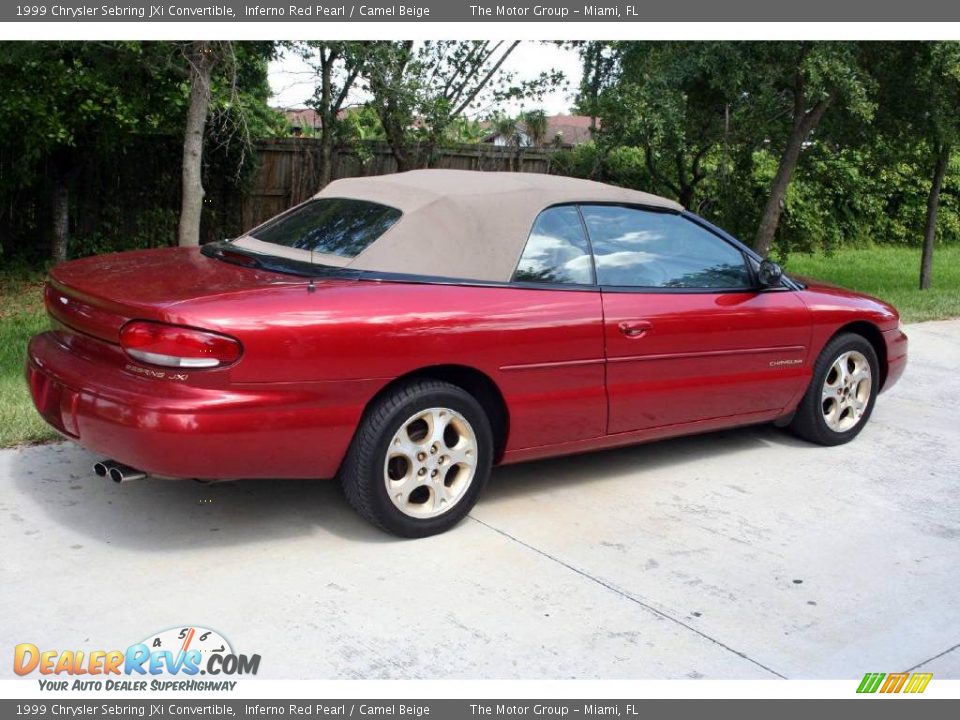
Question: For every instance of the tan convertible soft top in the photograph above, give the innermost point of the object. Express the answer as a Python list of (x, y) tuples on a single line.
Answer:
[(457, 223)]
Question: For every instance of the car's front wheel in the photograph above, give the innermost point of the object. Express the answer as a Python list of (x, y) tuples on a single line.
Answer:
[(841, 395), (419, 459)]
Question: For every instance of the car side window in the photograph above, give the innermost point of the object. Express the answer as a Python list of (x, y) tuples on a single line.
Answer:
[(645, 248), (557, 250)]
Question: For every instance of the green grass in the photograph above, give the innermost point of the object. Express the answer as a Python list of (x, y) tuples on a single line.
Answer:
[(21, 315), (887, 272), (891, 274)]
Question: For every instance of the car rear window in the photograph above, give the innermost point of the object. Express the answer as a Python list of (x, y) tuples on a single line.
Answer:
[(335, 226)]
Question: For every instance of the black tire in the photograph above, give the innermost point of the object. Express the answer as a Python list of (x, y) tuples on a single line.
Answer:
[(808, 422), (362, 473)]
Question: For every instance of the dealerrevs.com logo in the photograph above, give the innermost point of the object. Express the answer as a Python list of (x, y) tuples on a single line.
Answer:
[(169, 660)]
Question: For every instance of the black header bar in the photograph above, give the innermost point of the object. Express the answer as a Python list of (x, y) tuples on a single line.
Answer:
[(551, 11)]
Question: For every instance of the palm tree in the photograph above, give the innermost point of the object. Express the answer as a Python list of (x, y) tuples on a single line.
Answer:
[(508, 129), (537, 126)]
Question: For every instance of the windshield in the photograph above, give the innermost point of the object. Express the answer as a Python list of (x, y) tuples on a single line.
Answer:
[(333, 226)]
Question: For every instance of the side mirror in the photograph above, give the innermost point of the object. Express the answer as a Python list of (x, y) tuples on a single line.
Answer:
[(770, 274)]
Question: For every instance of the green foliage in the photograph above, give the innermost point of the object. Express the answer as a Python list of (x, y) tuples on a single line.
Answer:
[(674, 101), (465, 130), (626, 166), (338, 66), (359, 126), (71, 95), (21, 316), (153, 227), (822, 71), (536, 125), (128, 199), (507, 128), (362, 123), (419, 91), (706, 123), (580, 161), (97, 117), (621, 165)]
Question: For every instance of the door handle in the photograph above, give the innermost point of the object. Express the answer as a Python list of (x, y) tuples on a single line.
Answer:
[(635, 329)]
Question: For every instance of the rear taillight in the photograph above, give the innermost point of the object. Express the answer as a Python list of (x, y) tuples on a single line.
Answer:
[(174, 346)]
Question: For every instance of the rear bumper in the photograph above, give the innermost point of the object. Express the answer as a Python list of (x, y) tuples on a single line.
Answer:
[(171, 429), (896, 344)]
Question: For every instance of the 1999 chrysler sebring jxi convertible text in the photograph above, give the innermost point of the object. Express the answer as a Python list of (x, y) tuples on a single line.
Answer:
[(404, 333)]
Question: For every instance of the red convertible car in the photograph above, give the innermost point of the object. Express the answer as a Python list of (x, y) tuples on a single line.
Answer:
[(405, 333)]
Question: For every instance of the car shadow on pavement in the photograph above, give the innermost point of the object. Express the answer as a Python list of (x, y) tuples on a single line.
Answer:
[(160, 515), (648, 458), (167, 516)]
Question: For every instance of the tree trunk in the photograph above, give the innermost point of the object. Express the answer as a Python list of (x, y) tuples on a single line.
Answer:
[(201, 58), (328, 116), (60, 210), (397, 140), (326, 157), (803, 124), (933, 206)]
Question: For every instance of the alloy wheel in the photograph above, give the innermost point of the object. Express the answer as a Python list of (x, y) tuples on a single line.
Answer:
[(846, 391), (430, 462)]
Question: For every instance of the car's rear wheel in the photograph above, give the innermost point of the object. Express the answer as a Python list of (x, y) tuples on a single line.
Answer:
[(841, 395), (419, 459)]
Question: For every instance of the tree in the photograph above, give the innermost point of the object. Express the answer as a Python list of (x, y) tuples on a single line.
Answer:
[(705, 113), (507, 128), (939, 91), (338, 66), (66, 105), (419, 91), (676, 101), (537, 125), (914, 134), (225, 79), (802, 80), (201, 57), (467, 130), (600, 62), (394, 95), (61, 101)]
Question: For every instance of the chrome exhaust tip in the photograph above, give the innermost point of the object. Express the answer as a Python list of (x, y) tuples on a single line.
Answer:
[(102, 468), (124, 473), (117, 472)]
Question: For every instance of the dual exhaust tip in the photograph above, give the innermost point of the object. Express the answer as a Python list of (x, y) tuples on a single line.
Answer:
[(117, 472)]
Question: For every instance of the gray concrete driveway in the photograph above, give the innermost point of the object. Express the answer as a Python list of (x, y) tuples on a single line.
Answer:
[(741, 554)]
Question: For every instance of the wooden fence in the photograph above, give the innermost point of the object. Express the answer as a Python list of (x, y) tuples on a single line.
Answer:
[(288, 169), (130, 197)]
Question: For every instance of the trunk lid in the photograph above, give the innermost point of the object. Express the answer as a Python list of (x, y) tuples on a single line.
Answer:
[(98, 295)]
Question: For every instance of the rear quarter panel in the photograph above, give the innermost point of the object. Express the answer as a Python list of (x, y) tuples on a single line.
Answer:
[(542, 348)]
